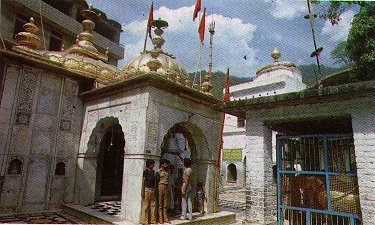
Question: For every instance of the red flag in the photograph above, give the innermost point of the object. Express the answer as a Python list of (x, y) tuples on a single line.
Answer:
[(226, 94), (150, 19), (202, 26), (197, 9)]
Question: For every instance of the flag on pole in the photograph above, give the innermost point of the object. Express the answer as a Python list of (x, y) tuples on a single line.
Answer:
[(197, 9), (150, 19), (202, 26)]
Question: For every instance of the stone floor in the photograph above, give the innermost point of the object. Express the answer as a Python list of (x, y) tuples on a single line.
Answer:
[(232, 199), (35, 218), (112, 208)]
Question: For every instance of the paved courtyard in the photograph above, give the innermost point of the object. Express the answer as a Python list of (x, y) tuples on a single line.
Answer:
[(232, 199)]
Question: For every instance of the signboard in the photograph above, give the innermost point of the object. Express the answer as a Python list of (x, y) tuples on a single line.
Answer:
[(232, 154)]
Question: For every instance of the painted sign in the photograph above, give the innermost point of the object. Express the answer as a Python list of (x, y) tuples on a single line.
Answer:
[(232, 154)]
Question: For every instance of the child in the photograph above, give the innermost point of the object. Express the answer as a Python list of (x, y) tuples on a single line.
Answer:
[(200, 197)]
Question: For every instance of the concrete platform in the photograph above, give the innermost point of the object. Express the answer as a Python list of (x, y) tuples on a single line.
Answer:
[(93, 216)]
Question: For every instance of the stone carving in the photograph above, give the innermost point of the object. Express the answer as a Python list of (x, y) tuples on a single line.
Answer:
[(152, 137), (23, 118), (68, 106), (28, 84)]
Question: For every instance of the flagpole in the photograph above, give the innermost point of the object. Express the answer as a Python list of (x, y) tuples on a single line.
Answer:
[(145, 44)]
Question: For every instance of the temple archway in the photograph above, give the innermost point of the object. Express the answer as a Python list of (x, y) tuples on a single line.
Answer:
[(110, 163), (232, 173), (188, 141), (102, 163)]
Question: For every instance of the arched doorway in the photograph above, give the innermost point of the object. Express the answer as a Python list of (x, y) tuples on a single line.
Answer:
[(232, 173), (188, 141), (110, 164)]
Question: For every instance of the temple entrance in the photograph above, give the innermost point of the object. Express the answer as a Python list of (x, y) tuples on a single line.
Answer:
[(232, 173), (110, 165), (186, 141), (177, 142)]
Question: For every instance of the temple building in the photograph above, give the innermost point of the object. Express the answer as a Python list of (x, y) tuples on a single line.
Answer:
[(270, 80), (323, 150), (76, 130), (61, 23)]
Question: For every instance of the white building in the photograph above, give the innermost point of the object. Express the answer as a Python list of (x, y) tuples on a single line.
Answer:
[(272, 79)]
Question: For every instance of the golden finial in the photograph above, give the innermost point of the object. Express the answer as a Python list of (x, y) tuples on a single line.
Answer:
[(276, 54), (84, 42), (28, 38)]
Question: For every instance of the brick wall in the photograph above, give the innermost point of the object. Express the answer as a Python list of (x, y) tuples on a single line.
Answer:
[(363, 123)]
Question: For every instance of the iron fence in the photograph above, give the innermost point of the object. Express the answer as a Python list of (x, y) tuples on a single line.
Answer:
[(317, 180)]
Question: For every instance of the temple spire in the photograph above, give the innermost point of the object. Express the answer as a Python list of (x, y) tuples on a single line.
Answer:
[(28, 37), (84, 42)]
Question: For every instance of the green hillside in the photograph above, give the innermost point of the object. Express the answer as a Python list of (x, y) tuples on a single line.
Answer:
[(218, 82), (309, 76)]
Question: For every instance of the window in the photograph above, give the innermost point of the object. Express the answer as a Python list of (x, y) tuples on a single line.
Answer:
[(15, 167), (60, 169), (240, 122), (55, 42)]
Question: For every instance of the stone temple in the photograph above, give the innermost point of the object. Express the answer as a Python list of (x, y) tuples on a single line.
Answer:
[(76, 130)]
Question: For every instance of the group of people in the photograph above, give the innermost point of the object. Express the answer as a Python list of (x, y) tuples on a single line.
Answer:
[(160, 184)]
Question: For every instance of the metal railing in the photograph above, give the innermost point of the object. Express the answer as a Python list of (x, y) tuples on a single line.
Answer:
[(317, 180)]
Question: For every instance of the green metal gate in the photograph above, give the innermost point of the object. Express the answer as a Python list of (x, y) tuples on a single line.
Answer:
[(317, 180)]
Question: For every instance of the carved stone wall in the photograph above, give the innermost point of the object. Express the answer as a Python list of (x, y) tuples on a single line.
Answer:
[(145, 115), (42, 127)]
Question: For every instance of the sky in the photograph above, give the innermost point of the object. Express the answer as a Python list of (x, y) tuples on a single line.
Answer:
[(242, 27)]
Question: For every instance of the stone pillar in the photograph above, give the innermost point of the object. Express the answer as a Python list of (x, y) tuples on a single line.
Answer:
[(132, 186), (260, 188), (363, 124)]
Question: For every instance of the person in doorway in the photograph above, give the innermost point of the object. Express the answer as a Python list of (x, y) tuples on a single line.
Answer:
[(171, 183), (177, 188), (186, 191), (148, 214), (162, 178), (200, 197)]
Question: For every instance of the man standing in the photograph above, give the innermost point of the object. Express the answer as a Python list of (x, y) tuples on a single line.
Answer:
[(171, 184), (186, 191), (148, 194), (162, 177)]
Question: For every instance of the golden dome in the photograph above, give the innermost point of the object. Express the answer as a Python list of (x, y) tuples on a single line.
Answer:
[(169, 67), (157, 61)]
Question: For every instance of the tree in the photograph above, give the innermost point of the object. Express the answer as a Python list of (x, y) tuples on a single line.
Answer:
[(361, 39), (341, 54), (361, 42)]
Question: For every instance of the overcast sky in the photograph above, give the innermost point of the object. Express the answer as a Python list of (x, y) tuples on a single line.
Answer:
[(243, 27)]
